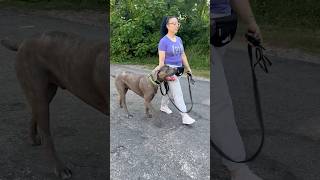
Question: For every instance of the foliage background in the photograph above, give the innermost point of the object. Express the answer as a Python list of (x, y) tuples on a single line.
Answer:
[(289, 24), (292, 13), (135, 29)]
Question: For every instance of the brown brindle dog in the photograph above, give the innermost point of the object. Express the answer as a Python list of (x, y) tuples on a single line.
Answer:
[(144, 86), (57, 59)]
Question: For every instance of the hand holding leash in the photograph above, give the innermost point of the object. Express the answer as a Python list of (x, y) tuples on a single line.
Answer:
[(253, 39), (261, 60), (190, 78)]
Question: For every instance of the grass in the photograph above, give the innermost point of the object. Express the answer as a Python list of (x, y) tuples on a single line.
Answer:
[(289, 24), (99, 5), (306, 40)]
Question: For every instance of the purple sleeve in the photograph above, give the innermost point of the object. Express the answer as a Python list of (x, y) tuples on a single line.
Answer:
[(162, 45)]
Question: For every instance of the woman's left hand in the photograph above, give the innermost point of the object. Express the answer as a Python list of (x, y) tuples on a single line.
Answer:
[(188, 70)]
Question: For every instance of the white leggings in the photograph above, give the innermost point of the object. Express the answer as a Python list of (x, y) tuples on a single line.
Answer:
[(223, 128), (174, 92)]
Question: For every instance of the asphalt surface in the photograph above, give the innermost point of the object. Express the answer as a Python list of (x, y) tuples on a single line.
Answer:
[(161, 147), (79, 131), (290, 96)]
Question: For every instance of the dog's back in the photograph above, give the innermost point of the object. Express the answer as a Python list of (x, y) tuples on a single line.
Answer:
[(57, 59), (129, 80), (68, 61)]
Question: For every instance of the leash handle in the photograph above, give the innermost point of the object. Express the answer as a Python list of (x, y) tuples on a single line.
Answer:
[(261, 60), (252, 39), (191, 79)]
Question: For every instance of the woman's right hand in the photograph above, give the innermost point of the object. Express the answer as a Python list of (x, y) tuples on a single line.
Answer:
[(254, 31)]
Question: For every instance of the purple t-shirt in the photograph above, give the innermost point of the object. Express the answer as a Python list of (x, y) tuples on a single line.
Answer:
[(172, 49)]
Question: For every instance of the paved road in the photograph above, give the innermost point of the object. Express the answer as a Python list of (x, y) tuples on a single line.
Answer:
[(159, 148), (291, 107), (79, 131)]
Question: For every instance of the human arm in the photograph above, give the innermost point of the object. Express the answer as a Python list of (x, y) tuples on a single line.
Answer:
[(162, 54), (243, 9), (186, 63)]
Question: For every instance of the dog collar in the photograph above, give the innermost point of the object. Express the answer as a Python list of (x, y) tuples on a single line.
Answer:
[(154, 82)]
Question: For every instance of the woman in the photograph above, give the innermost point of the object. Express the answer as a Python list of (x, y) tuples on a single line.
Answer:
[(171, 53)]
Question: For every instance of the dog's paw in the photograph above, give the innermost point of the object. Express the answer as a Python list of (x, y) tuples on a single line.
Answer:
[(130, 116), (149, 115), (63, 173)]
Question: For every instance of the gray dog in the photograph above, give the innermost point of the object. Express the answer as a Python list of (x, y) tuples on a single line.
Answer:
[(144, 86), (57, 59)]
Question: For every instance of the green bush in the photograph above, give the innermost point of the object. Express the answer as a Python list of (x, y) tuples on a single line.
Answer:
[(135, 26)]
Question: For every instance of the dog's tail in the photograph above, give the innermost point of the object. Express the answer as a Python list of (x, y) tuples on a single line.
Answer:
[(14, 46)]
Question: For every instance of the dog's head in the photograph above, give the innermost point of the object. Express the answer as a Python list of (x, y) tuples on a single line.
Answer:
[(165, 71)]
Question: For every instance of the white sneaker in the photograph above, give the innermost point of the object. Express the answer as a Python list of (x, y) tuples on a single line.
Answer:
[(244, 174), (186, 119), (165, 109)]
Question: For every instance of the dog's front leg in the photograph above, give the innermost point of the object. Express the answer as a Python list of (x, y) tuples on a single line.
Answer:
[(148, 106)]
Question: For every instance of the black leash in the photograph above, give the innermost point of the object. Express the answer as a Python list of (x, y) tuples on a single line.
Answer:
[(165, 83), (166, 87), (263, 62)]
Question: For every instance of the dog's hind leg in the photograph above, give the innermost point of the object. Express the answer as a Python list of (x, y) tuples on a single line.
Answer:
[(40, 112), (39, 93), (39, 99), (122, 91), (122, 97), (123, 102), (119, 99), (35, 138)]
